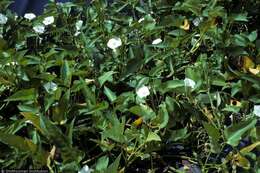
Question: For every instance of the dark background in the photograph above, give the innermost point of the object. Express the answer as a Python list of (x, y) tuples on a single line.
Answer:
[(30, 6)]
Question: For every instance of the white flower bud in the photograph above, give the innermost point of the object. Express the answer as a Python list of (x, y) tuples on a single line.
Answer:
[(140, 20), (12, 64), (157, 41), (85, 169), (77, 33), (79, 24)]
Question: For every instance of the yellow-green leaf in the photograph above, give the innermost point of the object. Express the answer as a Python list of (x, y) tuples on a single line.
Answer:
[(23, 95), (241, 161), (153, 137), (249, 148), (34, 119)]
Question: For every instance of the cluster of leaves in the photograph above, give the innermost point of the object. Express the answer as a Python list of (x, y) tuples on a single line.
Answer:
[(68, 100)]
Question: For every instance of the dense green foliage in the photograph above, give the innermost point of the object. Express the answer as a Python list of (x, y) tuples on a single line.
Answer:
[(131, 86)]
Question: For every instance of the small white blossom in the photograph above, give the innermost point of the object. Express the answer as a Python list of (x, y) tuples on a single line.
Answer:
[(48, 20), (79, 24), (140, 20), (157, 41), (50, 87), (143, 92), (11, 63), (29, 16), (3, 19), (196, 21), (257, 110), (39, 29), (77, 33), (114, 43), (85, 169), (189, 83)]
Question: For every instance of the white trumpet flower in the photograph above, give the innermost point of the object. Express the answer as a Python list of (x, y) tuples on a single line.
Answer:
[(48, 20), (29, 16), (3, 19), (143, 92), (257, 110), (79, 24), (114, 43), (39, 29), (189, 83)]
